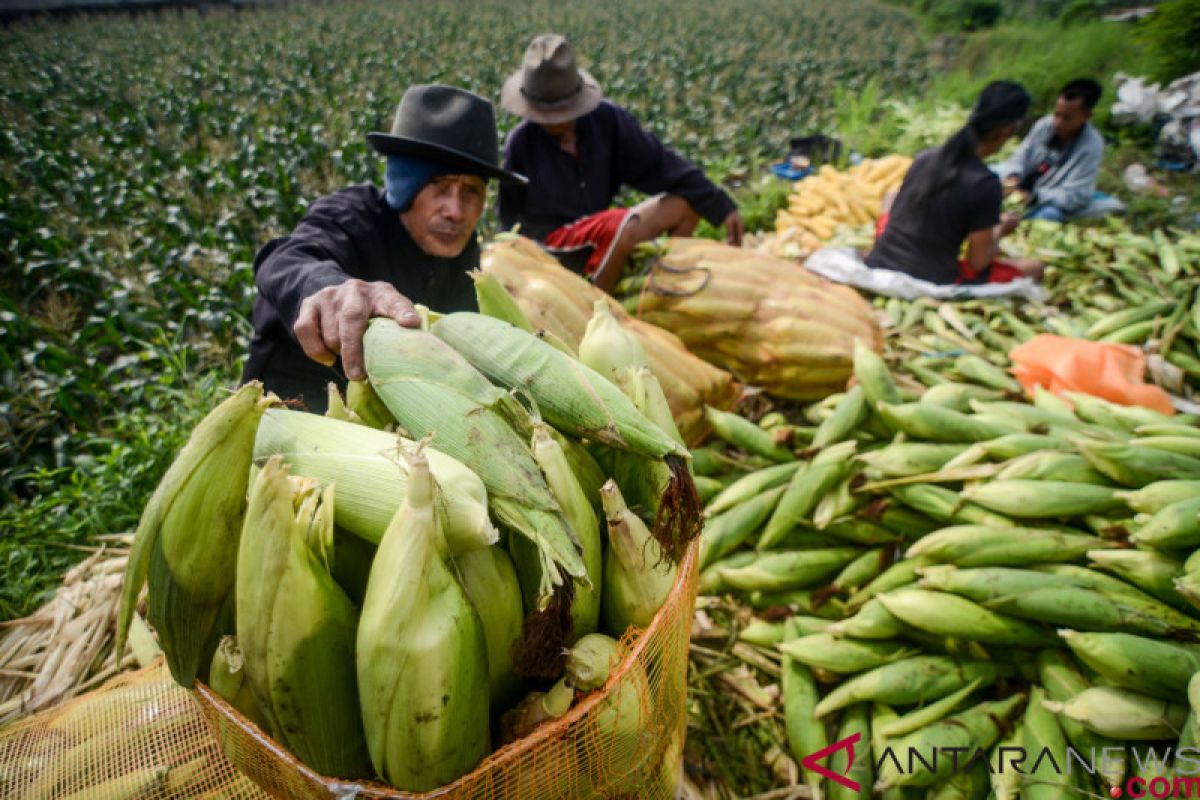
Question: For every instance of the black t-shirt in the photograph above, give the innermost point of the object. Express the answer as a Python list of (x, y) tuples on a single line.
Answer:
[(352, 233), (925, 243)]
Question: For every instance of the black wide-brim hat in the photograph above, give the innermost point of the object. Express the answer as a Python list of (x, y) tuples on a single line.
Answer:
[(447, 125)]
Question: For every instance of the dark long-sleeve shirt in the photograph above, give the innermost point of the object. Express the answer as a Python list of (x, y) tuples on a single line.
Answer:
[(352, 233), (614, 150)]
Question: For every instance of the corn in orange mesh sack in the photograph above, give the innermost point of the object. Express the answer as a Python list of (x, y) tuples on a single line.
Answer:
[(142, 736), (1103, 369)]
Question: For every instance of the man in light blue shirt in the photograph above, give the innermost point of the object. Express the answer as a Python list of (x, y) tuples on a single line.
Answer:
[(1055, 168)]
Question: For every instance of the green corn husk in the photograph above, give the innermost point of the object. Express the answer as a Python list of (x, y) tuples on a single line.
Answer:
[(1152, 615), (363, 402), (977, 727), (421, 653), (1184, 445), (1175, 526), (872, 374), (1123, 715), (855, 530), (1148, 666), (227, 677), (494, 300), (741, 432), (187, 538), (984, 372), (928, 714), (1061, 680), (1158, 495), (1050, 465), (950, 615), (490, 581), (752, 485), (1006, 776), (637, 575), (766, 634), (805, 490), (805, 734), (944, 505), (912, 681), (711, 581), (863, 569), (585, 602), (1138, 466), (1043, 498), (904, 459), (938, 424), (728, 530), (1013, 445), (1152, 572), (854, 721), (296, 627), (987, 546), (847, 417), (902, 573), (791, 569), (843, 656), (432, 391), (607, 347), (839, 502), (1042, 732), (371, 479), (958, 396), (872, 621)]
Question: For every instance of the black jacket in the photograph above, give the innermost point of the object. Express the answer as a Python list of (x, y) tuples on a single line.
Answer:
[(352, 233)]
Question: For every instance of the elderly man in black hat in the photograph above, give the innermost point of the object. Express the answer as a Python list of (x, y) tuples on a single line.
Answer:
[(363, 252), (578, 149)]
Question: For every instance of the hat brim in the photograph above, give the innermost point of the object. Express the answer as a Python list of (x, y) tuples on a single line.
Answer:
[(514, 102), (388, 144)]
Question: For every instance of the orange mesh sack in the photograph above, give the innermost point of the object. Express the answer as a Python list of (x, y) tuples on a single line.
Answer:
[(1103, 369), (143, 737)]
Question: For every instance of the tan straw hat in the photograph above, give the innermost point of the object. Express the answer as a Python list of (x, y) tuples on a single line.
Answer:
[(550, 87)]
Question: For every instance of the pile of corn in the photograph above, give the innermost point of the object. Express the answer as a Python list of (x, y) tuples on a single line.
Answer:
[(948, 565), (348, 590), (770, 322), (557, 300), (822, 202)]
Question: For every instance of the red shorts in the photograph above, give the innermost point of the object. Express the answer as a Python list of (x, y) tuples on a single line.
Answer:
[(999, 271), (600, 229)]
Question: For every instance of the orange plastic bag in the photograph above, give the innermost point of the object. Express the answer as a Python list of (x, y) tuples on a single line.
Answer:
[(1111, 371)]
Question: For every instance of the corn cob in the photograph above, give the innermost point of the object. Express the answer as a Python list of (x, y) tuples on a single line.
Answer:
[(1049, 465), (1122, 714), (902, 459), (1184, 445), (741, 432), (187, 538), (855, 721), (856, 530), (363, 402), (608, 348), (934, 423), (902, 573), (371, 480), (1061, 681), (1137, 467), (296, 627), (494, 300), (728, 530), (1006, 776), (986, 373), (872, 374), (862, 570), (792, 569), (872, 621), (804, 733), (977, 727), (1158, 617), (986, 546), (711, 581), (433, 391), (490, 582), (752, 485), (227, 678), (912, 681), (958, 396), (1018, 444), (421, 653), (805, 489), (847, 416), (950, 615), (840, 501), (1171, 429), (928, 714), (845, 656), (585, 604), (1176, 525), (1152, 572), (637, 576), (1042, 733), (1043, 498), (1148, 666), (944, 505), (535, 709)]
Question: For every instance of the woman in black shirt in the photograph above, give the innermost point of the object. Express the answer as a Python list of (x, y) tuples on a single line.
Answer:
[(949, 195)]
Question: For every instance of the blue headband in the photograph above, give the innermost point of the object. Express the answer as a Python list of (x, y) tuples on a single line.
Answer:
[(407, 175)]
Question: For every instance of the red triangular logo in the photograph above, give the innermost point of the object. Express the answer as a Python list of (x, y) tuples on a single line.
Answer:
[(810, 762)]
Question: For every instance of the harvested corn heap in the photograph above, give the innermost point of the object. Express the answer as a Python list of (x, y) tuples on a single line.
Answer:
[(558, 301), (768, 321), (381, 627)]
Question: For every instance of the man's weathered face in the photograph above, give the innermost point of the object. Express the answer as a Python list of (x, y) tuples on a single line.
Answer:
[(444, 213), (1069, 117)]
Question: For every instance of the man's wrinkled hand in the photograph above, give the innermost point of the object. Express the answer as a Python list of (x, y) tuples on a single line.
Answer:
[(735, 228), (332, 321), (1008, 222)]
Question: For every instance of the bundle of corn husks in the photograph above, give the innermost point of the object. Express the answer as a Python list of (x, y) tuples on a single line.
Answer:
[(359, 606), (829, 198), (769, 321), (951, 565), (559, 301)]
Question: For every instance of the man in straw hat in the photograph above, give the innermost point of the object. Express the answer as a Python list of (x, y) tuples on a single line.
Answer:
[(365, 252), (578, 149)]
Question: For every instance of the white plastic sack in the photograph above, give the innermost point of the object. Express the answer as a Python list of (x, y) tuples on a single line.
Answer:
[(842, 265)]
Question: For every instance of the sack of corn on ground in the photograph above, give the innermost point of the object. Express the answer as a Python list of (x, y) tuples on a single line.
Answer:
[(396, 610), (829, 198), (559, 301), (769, 321), (939, 562)]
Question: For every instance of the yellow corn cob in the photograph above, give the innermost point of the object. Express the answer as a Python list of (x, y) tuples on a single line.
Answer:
[(637, 576)]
